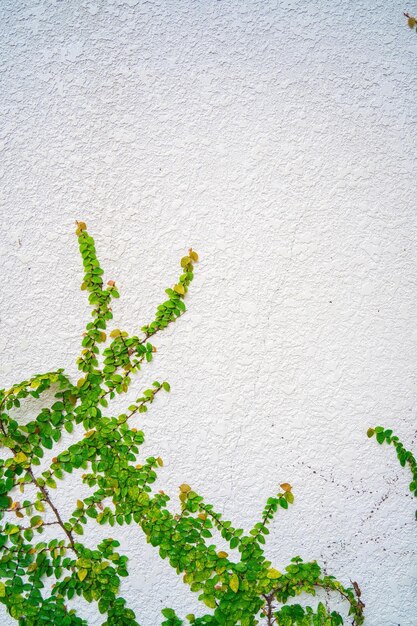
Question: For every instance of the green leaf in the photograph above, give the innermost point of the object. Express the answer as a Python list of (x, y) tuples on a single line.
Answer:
[(380, 437), (5, 502)]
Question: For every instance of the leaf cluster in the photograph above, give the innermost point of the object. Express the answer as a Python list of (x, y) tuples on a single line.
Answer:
[(37, 577), (405, 457)]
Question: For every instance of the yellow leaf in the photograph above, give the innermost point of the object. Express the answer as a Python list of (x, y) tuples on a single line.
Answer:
[(80, 504), (159, 461), (2, 590), (115, 333), (273, 573), (185, 260), (210, 602), (222, 554), (184, 488), (143, 499), (20, 457), (32, 567), (412, 22), (289, 497), (82, 573), (80, 382), (234, 583), (81, 226), (193, 256), (286, 486), (179, 289)]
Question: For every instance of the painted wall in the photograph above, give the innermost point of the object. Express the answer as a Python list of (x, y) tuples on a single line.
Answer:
[(279, 140)]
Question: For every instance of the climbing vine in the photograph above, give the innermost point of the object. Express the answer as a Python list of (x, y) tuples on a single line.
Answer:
[(38, 577), (405, 457)]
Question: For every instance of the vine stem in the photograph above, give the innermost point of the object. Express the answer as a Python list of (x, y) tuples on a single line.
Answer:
[(269, 615), (46, 495)]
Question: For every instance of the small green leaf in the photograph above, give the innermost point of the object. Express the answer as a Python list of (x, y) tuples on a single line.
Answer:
[(5, 502)]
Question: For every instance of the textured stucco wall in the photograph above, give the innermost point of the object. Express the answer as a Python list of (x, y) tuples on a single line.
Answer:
[(278, 139)]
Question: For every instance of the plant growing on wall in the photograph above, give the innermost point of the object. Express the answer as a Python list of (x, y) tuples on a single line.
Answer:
[(405, 457), (38, 577)]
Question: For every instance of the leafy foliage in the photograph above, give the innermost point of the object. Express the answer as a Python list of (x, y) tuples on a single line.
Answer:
[(39, 577), (405, 457)]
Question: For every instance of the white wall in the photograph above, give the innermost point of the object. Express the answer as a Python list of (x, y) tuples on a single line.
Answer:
[(279, 140)]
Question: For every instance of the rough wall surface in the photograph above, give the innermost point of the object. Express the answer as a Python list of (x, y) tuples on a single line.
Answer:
[(278, 139)]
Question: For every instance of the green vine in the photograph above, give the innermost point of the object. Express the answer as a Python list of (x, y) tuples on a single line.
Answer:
[(405, 457), (38, 577)]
